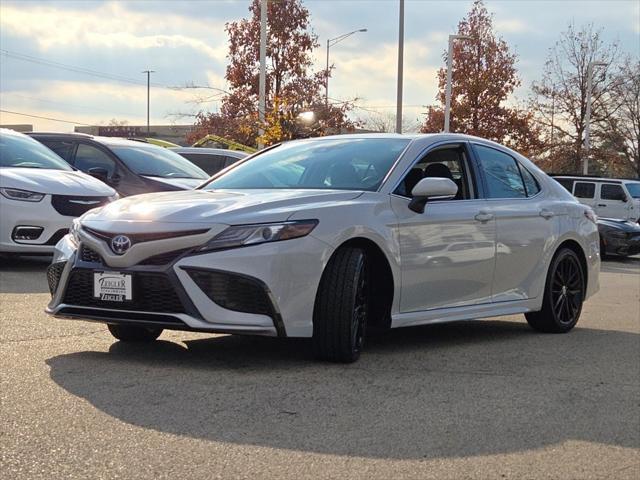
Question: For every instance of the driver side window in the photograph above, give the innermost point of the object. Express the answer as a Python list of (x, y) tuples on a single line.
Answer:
[(447, 162), (88, 157)]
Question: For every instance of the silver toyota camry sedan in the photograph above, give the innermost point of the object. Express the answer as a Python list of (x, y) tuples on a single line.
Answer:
[(325, 237)]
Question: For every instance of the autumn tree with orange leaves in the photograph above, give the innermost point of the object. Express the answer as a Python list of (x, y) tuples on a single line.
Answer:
[(484, 76), (291, 86)]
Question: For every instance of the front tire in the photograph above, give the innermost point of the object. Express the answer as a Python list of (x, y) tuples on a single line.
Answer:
[(563, 295), (342, 307), (132, 333)]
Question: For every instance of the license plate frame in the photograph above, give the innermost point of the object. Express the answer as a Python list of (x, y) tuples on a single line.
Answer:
[(111, 286)]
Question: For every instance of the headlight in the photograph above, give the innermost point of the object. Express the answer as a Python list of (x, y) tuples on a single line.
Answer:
[(242, 235), (22, 195)]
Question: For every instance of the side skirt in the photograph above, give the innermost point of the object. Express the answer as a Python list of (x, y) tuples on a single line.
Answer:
[(451, 314)]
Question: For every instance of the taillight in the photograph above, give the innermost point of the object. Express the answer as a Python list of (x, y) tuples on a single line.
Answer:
[(591, 215)]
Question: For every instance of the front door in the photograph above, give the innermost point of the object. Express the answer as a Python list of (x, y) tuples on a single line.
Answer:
[(448, 252), (613, 202)]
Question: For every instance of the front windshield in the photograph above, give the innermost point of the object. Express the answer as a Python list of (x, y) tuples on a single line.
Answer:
[(155, 161), (634, 189), (338, 164), (20, 151)]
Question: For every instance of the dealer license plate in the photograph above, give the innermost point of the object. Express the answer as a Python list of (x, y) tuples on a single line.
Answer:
[(112, 286)]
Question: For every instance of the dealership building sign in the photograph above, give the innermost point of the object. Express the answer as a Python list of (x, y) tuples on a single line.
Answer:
[(123, 131)]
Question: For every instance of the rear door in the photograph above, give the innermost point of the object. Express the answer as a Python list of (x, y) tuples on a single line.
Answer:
[(613, 202), (585, 192), (524, 223)]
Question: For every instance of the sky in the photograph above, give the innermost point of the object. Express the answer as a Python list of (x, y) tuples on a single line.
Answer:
[(81, 62)]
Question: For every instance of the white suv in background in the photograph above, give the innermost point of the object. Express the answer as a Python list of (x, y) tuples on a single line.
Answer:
[(40, 195), (609, 197)]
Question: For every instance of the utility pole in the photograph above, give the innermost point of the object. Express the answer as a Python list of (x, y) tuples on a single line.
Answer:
[(447, 107), (148, 72), (263, 69), (400, 67), (587, 117)]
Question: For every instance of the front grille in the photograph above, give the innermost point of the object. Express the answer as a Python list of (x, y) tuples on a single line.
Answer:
[(89, 255), (73, 206), (56, 237), (233, 291), (164, 258), (143, 237), (54, 272), (152, 292)]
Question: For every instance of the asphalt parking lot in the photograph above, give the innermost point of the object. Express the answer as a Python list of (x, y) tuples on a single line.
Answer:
[(481, 399)]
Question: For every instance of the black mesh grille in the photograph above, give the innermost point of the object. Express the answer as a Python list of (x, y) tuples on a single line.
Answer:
[(164, 258), (151, 293), (233, 292), (54, 272), (73, 206), (89, 255)]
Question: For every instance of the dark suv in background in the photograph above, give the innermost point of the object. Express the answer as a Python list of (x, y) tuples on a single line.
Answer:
[(129, 167)]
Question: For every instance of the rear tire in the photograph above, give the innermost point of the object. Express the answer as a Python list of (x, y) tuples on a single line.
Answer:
[(342, 307), (132, 333), (563, 295)]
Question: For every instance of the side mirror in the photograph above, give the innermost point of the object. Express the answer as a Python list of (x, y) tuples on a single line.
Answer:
[(432, 188), (99, 173)]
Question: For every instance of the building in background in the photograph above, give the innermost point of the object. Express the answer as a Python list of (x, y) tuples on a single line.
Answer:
[(22, 127), (171, 133)]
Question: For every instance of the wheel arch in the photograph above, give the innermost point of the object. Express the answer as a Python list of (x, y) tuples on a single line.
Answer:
[(383, 282), (579, 251)]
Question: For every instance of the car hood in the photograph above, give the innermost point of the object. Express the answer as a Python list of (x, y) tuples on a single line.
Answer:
[(211, 207), (181, 183), (54, 182), (623, 225)]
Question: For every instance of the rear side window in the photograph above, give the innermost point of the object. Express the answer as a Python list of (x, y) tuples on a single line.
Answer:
[(209, 163), (566, 183), (501, 173), (530, 182), (584, 190), (612, 192)]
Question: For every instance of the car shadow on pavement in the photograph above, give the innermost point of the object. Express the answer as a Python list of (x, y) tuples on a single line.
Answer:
[(20, 274), (452, 390), (621, 265)]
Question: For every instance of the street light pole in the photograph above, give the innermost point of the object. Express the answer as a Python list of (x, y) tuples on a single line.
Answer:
[(447, 107), (400, 67), (263, 70), (148, 72), (587, 117), (330, 43)]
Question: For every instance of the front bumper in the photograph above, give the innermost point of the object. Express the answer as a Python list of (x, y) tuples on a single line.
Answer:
[(279, 280), (35, 214), (622, 246)]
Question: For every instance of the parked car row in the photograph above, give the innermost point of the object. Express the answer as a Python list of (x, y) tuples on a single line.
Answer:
[(617, 204), (47, 179)]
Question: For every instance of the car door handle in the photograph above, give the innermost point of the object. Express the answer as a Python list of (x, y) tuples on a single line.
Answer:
[(602, 204), (483, 217), (544, 213)]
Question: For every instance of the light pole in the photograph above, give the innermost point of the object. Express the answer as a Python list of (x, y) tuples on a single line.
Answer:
[(587, 117), (400, 67), (262, 82), (330, 43), (148, 72), (447, 107)]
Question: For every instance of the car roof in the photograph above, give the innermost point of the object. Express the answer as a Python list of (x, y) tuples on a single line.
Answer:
[(592, 178), (111, 141), (212, 151)]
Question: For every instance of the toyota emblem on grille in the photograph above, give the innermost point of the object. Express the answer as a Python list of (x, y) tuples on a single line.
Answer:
[(120, 244)]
